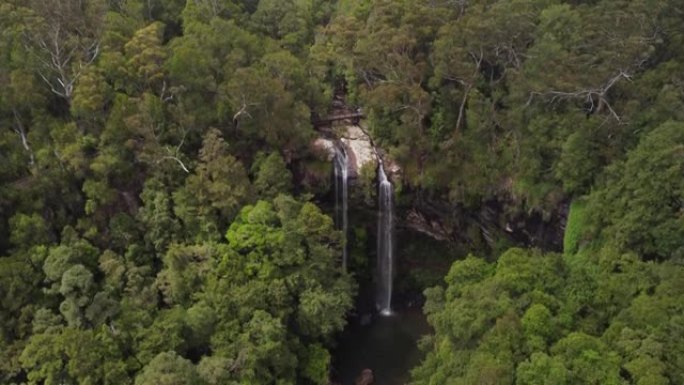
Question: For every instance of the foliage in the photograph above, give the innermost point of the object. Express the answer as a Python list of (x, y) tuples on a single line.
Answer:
[(524, 320), (272, 176), (129, 152), (155, 226), (640, 207), (575, 226), (525, 102)]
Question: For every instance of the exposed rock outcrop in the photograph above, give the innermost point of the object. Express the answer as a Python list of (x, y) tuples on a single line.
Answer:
[(365, 378), (324, 148), (359, 148), (416, 221), (356, 142)]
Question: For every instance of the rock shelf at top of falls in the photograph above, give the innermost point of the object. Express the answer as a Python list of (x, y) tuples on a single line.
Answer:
[(358, 145), (360, 148)]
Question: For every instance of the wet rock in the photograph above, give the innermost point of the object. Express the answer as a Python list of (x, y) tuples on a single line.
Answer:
[(359, 148), (314, 171), (365, 378), (324, 148), (416, 221)]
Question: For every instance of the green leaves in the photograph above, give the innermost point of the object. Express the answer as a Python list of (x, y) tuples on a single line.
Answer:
[(145, 56), (319, 310), (246, 304), (288, 21), (588, 360), (598, 317), (316, 364), (538, 325), (91, 95), (213, 194), (168, 369), (639, 206), (541, 369), (149, 147), (28, 230), (185, 271), (72, 356), (272, 176)]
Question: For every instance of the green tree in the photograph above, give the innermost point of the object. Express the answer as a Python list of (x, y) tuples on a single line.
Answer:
[(64, 36), (157, 215), (29, 230), (272, 176), (288, 21), (541, 369), (279, 268), (72, 356), (639, 206), (168, 368), (589, 361), (145, 57), (213, 194)]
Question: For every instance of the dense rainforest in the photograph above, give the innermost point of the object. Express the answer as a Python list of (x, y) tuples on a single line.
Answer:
[(156, 226)]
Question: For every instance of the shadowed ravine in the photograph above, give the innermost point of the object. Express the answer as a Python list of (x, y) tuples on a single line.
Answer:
[(387, 346)]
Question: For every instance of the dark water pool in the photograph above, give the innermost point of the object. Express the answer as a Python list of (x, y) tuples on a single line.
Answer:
[(387, 345)]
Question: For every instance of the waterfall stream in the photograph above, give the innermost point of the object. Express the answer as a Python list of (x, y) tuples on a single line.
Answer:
[(385, 243), (341, 167)]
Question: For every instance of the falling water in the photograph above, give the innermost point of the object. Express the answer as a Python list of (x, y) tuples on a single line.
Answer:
[(341, 196), (385, 243)]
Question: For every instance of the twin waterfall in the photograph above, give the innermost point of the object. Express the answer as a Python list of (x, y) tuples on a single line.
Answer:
[(385, 246), (385, 243)]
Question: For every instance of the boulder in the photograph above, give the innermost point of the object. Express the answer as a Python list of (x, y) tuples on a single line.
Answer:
[(358, 145), (365, 378), (359, 148), (324, 148)]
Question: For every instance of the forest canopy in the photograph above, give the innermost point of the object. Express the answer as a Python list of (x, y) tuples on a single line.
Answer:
[(155, 227)]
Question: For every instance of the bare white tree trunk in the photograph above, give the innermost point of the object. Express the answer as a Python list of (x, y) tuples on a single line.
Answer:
[(597, 98), (21, 131), (65, 41)]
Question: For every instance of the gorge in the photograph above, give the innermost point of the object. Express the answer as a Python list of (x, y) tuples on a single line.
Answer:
[(380, 338)]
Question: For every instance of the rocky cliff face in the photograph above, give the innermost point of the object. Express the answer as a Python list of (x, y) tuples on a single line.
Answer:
[(360, 149), (440, 223), (356, 142), (324, 148)]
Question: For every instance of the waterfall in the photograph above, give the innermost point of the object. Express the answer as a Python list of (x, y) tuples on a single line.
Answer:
[(385, 243), (341, 167)]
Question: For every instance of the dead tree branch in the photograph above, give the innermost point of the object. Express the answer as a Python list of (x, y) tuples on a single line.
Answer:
[(65, 40), (21, 131), (241, 111), (595, 98)]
